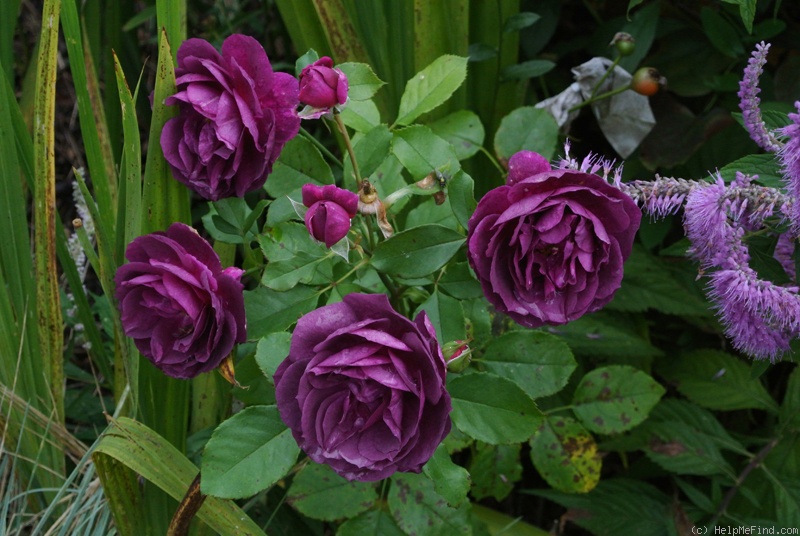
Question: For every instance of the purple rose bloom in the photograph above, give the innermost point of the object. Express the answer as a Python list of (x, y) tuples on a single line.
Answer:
[(363, 388), (322, 87), (183, 311), (549, 248), (330, 210), (235, 117)]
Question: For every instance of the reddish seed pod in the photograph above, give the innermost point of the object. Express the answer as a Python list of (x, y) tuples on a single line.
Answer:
[(647, 81)]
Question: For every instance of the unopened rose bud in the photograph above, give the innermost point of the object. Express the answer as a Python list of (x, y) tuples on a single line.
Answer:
[(458, 355), (322, 88), (330, 210)]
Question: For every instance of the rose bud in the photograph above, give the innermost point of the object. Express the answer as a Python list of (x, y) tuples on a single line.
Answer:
[(457, 355), (322, 88), (330, 210), (550, 248), (523, 164), (235, 116), (183, 311), (363, 388)]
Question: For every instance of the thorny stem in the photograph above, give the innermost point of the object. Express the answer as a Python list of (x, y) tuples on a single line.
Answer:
[(349, 145), (757, 459)]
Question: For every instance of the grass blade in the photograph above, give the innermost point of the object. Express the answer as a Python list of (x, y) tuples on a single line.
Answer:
[(9, 11), (164, 200), (97, 158), (132, 445), (171, 18), (46, 269)]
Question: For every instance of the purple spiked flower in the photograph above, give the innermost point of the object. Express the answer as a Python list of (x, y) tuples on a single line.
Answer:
[(789, 156), (760, 317), (749, 101)]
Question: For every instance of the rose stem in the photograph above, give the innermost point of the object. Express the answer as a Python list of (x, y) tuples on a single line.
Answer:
[(349, 145), (191, 503)]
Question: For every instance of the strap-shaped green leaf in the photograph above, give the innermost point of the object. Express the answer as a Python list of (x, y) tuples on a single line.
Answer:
[(130, 445)]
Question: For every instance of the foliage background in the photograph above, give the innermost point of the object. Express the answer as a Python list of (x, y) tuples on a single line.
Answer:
[(721, 446)]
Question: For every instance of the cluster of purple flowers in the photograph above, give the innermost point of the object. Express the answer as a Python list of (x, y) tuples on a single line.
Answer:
[(363, 387), (183, 310), (760, 317)]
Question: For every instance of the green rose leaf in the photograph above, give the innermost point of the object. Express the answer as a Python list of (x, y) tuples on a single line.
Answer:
[(446, 315), (319, 493), (377, 522), (493, 409), (612, 399), (285, 275), (459, 282), (431, 87), (565, 454), (428, 212), (247, 453), (305, 60), (463, 130), (226, 220), (538, 362), (421, 151), (418, 509), (361, 116), (361, 79), (294, 257), (371, 150), (270, 311), (451, 481), (299, 163), (526, 128), (271, 351), (494, 470), (417, 252), (460, 190)]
